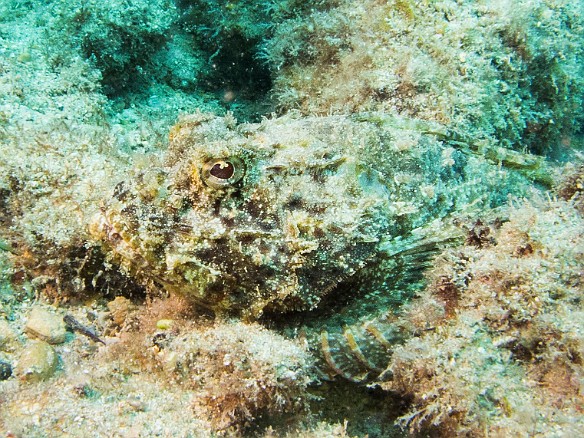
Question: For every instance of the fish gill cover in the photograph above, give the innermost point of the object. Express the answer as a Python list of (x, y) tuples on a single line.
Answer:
[(289, 218)]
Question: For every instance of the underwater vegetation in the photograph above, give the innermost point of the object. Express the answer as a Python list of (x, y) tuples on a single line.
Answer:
[(291, 218), (500, 343), (507, 73)]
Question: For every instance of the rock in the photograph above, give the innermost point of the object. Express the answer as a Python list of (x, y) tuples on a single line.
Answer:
[(119, 309), (45, 326), (37, 362), (7, 336), (5, 370)]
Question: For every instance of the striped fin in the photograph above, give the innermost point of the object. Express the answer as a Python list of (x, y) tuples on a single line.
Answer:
[(328, 356), (356, 351)]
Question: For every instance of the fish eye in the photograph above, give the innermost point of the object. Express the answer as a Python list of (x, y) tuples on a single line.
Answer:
[(219, 173)]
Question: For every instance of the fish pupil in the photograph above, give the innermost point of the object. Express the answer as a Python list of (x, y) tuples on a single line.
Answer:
[(222, 170)]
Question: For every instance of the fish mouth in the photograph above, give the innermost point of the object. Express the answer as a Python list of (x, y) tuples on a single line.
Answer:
[(249, 271)]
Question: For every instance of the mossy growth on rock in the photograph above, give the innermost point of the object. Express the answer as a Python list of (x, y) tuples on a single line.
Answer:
[(500, 344), (247, 374)]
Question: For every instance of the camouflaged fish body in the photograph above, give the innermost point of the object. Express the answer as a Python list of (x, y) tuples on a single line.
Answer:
[(286, 215)]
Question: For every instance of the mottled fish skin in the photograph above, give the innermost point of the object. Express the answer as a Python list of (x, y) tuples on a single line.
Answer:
[(76, 326), (283, 217)]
